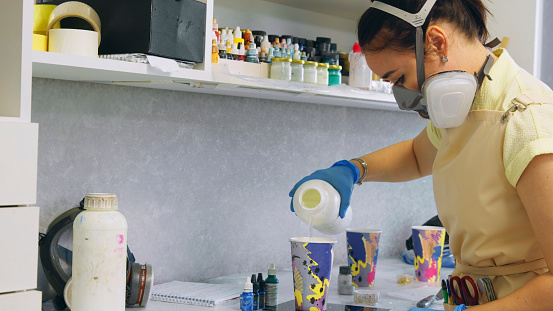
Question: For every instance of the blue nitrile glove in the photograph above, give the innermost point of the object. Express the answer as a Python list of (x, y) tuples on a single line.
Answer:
[(342, 175), (458, 308)]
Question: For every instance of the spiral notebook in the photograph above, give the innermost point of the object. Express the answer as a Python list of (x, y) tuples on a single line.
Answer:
[(203, 294)]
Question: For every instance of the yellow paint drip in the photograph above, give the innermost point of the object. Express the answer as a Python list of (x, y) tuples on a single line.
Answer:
[(311, 198)]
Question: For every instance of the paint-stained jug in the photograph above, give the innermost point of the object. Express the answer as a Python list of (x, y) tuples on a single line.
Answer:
[(317, 203), (99, 256)]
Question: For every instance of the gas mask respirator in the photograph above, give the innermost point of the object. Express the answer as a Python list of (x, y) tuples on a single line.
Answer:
[(445, 97)]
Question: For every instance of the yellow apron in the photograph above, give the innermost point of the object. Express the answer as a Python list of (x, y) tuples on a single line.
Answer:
[(490, 233)]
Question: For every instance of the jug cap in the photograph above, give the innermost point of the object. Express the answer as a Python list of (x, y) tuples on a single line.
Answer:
[(100, 201)]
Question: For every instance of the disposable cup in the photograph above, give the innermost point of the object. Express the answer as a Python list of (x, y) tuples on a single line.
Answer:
[(311, 265), (428, 245), (362, 255)]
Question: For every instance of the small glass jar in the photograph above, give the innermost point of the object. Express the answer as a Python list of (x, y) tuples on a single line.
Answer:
[(297, 70), (322, 74), (310, 72), (345, 286), (334, 74), (281, 68)]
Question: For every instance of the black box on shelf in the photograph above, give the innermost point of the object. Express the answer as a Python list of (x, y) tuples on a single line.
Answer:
[(166, 28)]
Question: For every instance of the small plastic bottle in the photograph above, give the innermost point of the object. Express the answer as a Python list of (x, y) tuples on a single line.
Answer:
[(99, 255), (316, 201), (322, 74), (261, 291), (297, 70), (214, 51), (255, 292), (251, 56), (281, 69), (246, 298), (310, 72), (271, 288), (345, 286), (334, 75), (360, 75)]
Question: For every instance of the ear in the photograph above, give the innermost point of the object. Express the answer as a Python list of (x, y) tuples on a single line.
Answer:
[(436, 43)]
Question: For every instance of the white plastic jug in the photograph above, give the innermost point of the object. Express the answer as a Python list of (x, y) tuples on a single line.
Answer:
[(318, 199), (98, 280)]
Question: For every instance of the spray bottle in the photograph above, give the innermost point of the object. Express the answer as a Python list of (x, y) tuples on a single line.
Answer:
[(271, 288), (246, 298)]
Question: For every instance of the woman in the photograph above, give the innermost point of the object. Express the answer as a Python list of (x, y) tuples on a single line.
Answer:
[(492, 170)]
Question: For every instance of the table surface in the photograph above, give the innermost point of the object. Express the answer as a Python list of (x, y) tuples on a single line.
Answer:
[(392, 295)]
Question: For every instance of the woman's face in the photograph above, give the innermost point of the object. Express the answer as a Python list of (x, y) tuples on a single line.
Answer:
[(400, 68)]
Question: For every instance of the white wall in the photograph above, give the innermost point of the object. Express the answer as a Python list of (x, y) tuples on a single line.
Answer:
[(284, 20), (516, 20)]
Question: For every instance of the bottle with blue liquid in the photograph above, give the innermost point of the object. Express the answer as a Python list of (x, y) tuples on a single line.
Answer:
[(246, 298)]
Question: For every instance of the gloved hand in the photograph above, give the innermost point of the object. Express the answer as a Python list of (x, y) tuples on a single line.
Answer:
[(458, 308), (342, 175)]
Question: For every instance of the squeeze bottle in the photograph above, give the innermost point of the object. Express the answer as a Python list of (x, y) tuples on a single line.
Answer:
[(360, 75), (99, 255), (271, 290), (246, 298), (318, 203)]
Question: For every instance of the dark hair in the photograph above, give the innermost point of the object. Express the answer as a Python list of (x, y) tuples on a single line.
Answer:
[(378, 30)]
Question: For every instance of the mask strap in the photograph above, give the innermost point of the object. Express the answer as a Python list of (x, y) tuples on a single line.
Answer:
[(419, 54), (484, 71), (416, 20)]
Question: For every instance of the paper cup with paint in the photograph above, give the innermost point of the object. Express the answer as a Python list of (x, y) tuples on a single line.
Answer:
[(311, 266), (428, 244), (362, 255)]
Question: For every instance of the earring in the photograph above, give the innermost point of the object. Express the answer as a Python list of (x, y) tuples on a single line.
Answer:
[(444, 59)]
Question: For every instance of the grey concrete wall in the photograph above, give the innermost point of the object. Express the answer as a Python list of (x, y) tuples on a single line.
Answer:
[(203, 180)]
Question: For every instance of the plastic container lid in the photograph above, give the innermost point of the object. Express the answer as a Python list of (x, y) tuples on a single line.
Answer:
[(356, 48), (335, 67), (298, 61), (310, 63), (323, 65), (345, 269), (281, 59), (323, 40), (248, 286), (100, 201)]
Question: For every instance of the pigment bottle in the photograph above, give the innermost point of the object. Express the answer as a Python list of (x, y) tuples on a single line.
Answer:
[(246, 298), (271, 290), (261, 291)]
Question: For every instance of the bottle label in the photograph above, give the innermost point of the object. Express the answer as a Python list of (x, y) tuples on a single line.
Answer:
[(246, 302), (271, 294), (262, 300)]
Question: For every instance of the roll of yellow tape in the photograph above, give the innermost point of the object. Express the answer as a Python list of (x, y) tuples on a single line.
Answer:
[(40, 42), (73, 41), (41, 14), (75, 9)]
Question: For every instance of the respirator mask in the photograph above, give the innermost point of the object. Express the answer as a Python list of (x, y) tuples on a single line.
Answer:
[(445, 97)]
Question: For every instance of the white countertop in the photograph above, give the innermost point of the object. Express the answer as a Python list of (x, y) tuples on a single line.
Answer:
[(392, 295)]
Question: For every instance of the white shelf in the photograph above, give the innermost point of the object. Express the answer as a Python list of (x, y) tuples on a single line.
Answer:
[(345, 9), (80, 68)]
